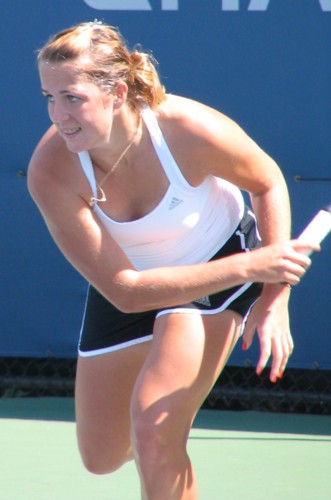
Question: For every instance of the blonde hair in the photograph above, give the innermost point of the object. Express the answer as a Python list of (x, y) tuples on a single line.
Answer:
[(106, 60)]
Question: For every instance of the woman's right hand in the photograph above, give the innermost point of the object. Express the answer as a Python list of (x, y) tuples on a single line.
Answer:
[(280, 262)]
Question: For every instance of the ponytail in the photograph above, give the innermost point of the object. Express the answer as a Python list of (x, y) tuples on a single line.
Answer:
[(144, 83)]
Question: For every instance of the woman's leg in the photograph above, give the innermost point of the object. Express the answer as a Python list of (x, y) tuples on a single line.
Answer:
[(103, 392), (187, 355)]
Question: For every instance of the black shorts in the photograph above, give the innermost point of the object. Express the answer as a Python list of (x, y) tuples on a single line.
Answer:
[(107, 329)]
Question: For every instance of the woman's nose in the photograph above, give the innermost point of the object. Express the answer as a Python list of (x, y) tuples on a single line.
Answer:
[(58, 113)]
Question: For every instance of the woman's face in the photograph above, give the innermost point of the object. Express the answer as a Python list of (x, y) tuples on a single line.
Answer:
[(80, 110)]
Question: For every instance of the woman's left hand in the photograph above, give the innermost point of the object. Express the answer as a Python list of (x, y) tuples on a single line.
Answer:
[(270, 318)]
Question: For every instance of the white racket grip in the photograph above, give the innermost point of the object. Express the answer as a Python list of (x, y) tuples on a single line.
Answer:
[(318, 228)]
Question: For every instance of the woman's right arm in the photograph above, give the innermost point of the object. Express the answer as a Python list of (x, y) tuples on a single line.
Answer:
[(56, 185)]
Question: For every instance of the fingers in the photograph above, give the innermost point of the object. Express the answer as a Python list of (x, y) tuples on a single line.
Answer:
[(265, 348), (305, 248), (281, 348), (282, 262), (249, 334), (287, 349), (296, 263)]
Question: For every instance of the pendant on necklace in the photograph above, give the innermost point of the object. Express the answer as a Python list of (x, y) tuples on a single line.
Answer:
[(94, 200)]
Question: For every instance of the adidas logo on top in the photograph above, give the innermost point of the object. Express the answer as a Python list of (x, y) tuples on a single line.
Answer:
[(174, 202)]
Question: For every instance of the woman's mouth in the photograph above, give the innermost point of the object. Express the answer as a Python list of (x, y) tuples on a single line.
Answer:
[(70, 132)]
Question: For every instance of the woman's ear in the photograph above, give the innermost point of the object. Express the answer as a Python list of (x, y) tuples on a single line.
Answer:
[(121, 94)]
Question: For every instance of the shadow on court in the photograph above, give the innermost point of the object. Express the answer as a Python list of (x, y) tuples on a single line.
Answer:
[(264, 422), (48, 408), (62, 410)]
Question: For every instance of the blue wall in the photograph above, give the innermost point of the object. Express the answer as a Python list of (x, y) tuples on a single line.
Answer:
[(265, 63)]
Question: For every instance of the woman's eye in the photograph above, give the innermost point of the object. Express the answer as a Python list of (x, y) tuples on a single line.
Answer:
[(73, 98), (49, 98), (70, 98)]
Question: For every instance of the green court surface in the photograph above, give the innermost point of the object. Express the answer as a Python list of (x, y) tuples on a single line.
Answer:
[(237, 455)]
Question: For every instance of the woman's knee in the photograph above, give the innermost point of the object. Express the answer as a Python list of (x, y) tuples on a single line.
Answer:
[(157, 437), (150, 445)]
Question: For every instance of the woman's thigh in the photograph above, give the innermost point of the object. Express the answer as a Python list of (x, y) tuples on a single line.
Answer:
[(103, 391), (187, 354)]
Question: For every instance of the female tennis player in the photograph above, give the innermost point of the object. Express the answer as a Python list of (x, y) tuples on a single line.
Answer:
[(142, 192)]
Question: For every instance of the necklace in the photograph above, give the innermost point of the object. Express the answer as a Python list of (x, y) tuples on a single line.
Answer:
[(93, 199)]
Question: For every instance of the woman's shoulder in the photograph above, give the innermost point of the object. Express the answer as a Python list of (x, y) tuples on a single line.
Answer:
[(50, 149), (50, 164), (191, 115), (195, 124)]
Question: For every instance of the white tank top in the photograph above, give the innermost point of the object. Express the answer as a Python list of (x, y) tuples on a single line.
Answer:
[(188, 226)]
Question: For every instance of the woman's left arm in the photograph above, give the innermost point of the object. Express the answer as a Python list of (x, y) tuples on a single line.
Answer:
[(270, 317), (234, 156)]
